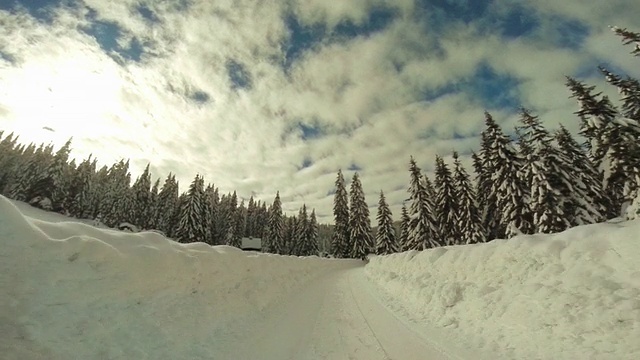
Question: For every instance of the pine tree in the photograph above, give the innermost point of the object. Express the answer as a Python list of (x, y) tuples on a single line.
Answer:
[(168, 201), (151, 210), (359, 222), (625, 136), (141, 191), (312, 236), (607, 141), (507, 192), (550, 179), (209, 213), (629, 37), (52, 185), (191, 227), (114, 207), (468, 218), (340, 237), (403, 241), (238, 219), (386, 234), (587, 202), (445, 205), (423, 230), (80, 189), (274, 240), (302, 232)]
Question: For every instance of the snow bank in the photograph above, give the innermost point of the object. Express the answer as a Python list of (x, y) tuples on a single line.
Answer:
[(70, 290), (574, 295)]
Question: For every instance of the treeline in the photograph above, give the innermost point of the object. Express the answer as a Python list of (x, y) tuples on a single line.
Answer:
[(536, 182), (48, 180)]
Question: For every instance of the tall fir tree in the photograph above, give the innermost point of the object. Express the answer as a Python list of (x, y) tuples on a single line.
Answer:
[(405, 223), (629, 37), (168, 199), (274, 239), (385, 234), (141, 192), (359, 222), (423, 229), (302, 232), (209, 208), (191, 227), (468, 218), (312, 237), (507, 192), (340, 237), (590, 204), (597, 115), (446, 207), (550, 181)]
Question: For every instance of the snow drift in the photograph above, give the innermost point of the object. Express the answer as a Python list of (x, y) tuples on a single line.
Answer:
[(73, 291), (573, 295)]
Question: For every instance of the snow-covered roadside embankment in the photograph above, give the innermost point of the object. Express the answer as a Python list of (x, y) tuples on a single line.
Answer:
[(573, 295), (70, 290)]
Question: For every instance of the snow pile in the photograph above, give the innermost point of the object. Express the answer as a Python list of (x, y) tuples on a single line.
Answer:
[(574, 295), (73, 291)]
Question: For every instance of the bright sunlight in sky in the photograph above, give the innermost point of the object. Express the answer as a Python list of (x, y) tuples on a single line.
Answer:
[(261, 96)]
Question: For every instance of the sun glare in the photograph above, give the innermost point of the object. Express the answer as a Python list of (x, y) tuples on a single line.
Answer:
[(73, 95)]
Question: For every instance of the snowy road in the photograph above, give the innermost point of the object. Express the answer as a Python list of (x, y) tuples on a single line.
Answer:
[(337, 316)]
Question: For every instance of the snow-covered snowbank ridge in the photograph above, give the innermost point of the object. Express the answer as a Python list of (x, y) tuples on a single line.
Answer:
[(573, 295), (71, 291)]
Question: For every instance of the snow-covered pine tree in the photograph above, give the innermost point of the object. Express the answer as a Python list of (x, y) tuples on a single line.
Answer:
[(423, 230), (115, 207), (300, 240), (150, 212), (551, 182), (312, 236), (469, 221), (97, 192), (263, 220), (80, 189), (507, 190), (238, 220), (191, 227), (208, 213), (629, 37), (141, 193), (52, 185), (446, 206), (624, 152), (9, 162), (168, 206), (274, 241), (405, 223), (597, 115), (359, 222), (340, 237), (587, 202), (28, 170), (482, 186), (385, 234), (249, 230), (290, 238)]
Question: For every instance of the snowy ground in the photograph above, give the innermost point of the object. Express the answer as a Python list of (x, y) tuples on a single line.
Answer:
[(574, 295), (72, 291)]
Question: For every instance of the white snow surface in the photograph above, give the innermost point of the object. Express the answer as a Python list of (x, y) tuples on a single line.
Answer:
[(69, 290), (573, 295)]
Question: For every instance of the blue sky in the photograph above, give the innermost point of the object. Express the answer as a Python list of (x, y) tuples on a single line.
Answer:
[(261, 96)]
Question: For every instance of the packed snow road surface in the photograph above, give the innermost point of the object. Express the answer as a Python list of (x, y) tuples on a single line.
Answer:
[(337, 316)]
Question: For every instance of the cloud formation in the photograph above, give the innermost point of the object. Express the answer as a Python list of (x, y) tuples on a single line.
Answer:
[(260, 96)]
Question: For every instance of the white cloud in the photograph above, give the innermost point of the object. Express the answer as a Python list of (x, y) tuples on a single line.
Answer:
[(365, 94)]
